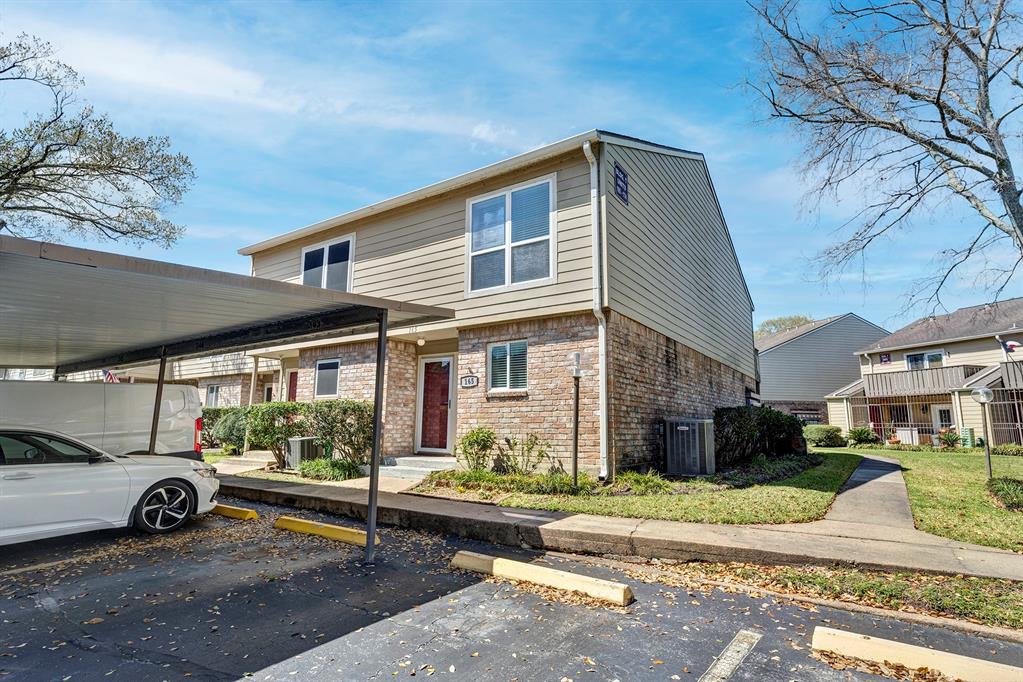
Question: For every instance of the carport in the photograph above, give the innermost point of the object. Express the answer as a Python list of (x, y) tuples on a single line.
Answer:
[(74, 310)]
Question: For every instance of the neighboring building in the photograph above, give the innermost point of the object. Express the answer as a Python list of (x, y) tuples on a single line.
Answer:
[(601, 244), (918, 381), (801, 365)]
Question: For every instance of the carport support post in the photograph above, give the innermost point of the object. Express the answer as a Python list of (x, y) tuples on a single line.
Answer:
[(156, 406), (378, 413)]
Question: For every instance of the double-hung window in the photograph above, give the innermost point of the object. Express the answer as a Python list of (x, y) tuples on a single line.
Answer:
[(506, 366), (212, 395), (329, 265), (928, 360), (327, 374), (510, 236)]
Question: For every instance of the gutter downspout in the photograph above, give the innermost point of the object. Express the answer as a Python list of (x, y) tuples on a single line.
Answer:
[(598, 304)]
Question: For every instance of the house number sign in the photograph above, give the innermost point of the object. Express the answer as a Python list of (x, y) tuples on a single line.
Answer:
[(469, 381)]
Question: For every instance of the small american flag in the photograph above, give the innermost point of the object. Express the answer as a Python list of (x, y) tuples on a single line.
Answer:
[(110, 378), (1011, 346)]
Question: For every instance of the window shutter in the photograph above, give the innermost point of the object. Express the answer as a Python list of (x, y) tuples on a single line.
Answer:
[(517, 364)]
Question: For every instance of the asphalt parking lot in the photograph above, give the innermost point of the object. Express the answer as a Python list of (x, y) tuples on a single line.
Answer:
[(224, 599)]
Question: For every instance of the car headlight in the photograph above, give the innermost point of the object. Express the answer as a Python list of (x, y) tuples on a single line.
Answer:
[(206, 472)]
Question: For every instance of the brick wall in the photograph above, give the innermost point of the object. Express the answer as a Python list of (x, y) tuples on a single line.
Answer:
[(234, 388), (651, 377), (545, 407)]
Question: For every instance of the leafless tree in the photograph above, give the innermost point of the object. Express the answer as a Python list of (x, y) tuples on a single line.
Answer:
[(914, 104), (68, 172)]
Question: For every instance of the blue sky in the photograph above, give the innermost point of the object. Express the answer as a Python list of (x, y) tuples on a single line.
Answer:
[(292, 113)]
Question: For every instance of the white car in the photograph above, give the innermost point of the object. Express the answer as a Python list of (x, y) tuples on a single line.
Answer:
[(52, 484)]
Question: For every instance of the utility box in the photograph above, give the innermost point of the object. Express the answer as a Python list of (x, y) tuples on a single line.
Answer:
[(300, 449), (689, 446), (968, 439)]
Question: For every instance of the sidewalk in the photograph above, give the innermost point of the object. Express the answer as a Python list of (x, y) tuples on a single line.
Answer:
[(868, 526)]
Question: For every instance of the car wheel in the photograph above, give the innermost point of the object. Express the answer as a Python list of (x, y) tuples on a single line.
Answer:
[(164, 507)]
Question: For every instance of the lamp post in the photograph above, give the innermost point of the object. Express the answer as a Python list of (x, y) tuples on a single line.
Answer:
[(576, 372), (983, 397)]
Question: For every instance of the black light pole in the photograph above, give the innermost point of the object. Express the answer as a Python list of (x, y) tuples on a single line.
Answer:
[(576, 374), (374, 463)]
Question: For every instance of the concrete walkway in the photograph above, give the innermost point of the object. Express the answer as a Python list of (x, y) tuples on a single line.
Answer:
[(869, 525)]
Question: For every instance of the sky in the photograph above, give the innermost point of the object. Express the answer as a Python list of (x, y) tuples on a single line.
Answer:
[(295, 112)]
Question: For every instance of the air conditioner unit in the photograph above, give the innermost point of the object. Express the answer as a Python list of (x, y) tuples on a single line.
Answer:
[(689, 446)]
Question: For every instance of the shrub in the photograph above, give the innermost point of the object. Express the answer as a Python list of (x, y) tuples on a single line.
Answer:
[(860, 435), (823, 436), (643, 484), (343, 427), (229, 430), (475, 449), (522, 457), (272, 424), (328, 469), (949, 440), (1008, 450), (210, 417), (741, 433), (1008, 491)]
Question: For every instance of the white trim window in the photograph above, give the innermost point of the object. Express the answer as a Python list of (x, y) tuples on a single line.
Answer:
[(212, 395), (506, 366), (328, 374), (510, 237), (328, 265), (931, 359), (268, 393)]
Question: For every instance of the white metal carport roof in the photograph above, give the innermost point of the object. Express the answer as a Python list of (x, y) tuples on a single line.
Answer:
[(75, 309)]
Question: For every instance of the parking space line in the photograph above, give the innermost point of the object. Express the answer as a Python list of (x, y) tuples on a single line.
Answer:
[(732, 657), (53, 564)]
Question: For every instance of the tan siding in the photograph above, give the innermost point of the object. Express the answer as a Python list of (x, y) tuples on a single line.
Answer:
[(980, 352), (818, 363), (837, 414), (973, 416), (669, 260), (417, 254)]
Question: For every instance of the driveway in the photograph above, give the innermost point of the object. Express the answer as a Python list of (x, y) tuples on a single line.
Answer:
[(223, 599)]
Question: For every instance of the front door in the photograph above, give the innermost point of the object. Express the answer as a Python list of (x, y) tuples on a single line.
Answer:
[(293, 385), (435, 395), (942, 417)]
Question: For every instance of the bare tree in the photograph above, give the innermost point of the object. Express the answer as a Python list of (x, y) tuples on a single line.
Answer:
[(67, 171), (914, 104)]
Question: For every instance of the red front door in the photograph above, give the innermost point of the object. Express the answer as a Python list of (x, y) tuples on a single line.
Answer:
[(433, 418), (292, 386)]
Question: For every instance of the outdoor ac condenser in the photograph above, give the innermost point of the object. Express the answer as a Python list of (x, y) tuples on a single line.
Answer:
[(689, 446)]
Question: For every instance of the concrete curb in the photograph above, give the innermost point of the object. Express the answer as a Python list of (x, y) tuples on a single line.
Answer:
[(582, 534), (239, 513), (351, 536)]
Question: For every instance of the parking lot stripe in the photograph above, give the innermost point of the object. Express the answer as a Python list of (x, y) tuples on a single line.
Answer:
[(911, 656), (327, 530), (52, 564), (732, 657), (235, 512), (616, 593)]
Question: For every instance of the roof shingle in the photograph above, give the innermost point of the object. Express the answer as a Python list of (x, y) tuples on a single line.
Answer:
[(977, 320)]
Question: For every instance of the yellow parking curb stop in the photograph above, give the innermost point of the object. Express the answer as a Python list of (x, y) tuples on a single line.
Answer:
[(606, 590), (327, 530), (235, 512)]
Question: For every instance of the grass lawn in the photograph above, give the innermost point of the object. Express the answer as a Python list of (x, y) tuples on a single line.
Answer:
[(214, 456), (803, 497), (949, 497)]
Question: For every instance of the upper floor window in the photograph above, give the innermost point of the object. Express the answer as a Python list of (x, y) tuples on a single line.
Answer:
[(928, 360), (510, 235), (329, 265)]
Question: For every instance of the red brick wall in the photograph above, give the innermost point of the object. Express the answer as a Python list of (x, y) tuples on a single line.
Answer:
[(545, 407), (651, 377)]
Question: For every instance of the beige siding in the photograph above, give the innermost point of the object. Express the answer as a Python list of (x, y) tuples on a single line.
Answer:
[(418, 254), (838, 415), (973, 416), (980, 352), (817, 363), (670, 263)]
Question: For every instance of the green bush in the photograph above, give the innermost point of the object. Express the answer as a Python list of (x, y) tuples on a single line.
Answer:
[(949, 440), (229, 431), (741, 433), (1008, 491), (642, 484), (475, 449), (823, 436), (343, 427), (272, 424), (1008, 450), (327, 469), (210, 417), (860, 435), (522, 457)]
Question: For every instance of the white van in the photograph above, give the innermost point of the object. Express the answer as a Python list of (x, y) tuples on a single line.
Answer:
[(115, 418)]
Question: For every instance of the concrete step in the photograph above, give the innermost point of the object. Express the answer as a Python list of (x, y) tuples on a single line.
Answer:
[(424, 462), (408, 473)]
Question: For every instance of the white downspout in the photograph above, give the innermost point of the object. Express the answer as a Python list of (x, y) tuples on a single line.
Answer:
[(598, 304)]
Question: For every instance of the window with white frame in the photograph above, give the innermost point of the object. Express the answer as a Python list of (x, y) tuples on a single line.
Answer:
[(328, 265), (327, 373), (510, 236), (506, 366), (268, 393), (212, 395), (928, 360)]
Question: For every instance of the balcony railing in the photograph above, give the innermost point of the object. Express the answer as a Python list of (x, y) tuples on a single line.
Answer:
[(1012, 374), (918, 381)]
